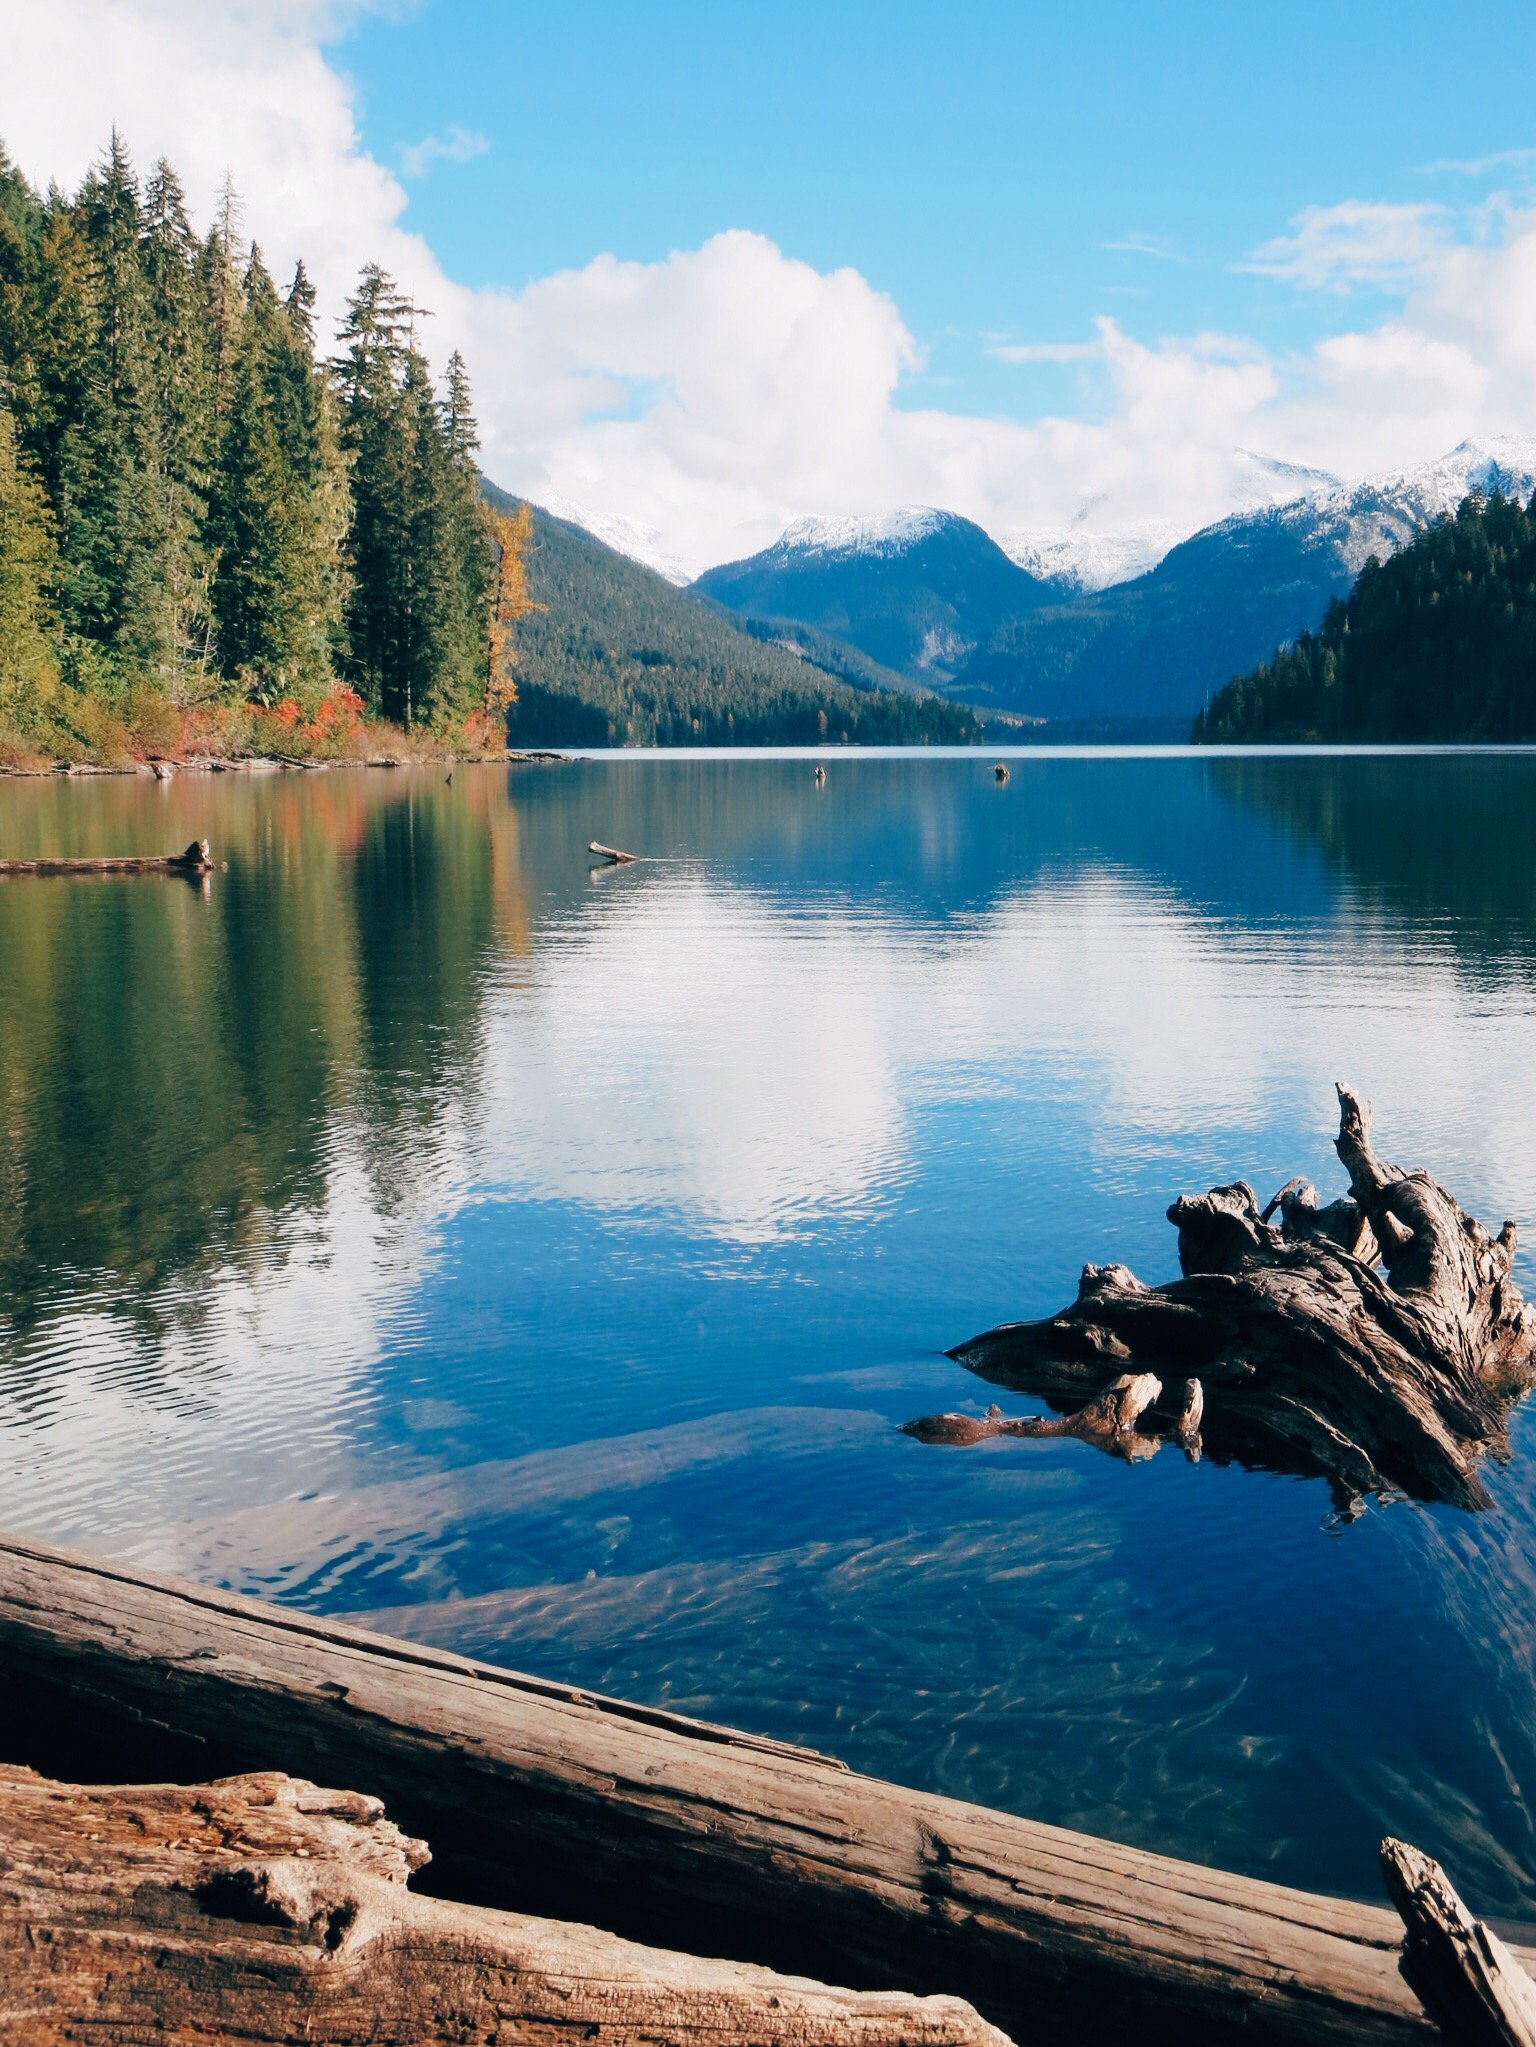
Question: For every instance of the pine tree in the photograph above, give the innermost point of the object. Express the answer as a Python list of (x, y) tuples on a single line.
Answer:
[(117, 533), (29, 569), (182, 447), (375, 426), (275, 518)]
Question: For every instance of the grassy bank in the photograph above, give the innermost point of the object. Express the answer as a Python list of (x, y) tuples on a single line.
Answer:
[(147, 725)]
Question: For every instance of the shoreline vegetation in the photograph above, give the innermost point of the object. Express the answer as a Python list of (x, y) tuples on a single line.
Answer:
[(214, 538)]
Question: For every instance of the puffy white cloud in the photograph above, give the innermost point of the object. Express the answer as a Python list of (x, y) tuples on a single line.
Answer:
[(721, 392)]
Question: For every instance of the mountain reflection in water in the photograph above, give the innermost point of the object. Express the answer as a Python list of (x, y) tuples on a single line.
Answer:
[(419, 1228)]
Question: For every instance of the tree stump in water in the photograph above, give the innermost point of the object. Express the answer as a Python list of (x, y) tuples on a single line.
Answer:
[(1378, 1342)]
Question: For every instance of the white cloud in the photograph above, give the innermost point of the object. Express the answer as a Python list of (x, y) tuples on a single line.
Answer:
[(457, 145), (1156, 246), (1483, 166), (717, 394), (1336, 248), (1044, 351)]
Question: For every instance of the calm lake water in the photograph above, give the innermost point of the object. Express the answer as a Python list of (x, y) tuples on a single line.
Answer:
[(417, 1226)]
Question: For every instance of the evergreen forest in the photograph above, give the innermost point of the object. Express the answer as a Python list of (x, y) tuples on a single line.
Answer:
[(1436, 644), (212, 534)]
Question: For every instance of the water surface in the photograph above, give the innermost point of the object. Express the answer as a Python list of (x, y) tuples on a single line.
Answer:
[(415, 1225)]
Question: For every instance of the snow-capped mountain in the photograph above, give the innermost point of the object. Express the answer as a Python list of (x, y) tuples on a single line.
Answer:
[(1102, 621), (625, 536), (1383, 514), (1084, 560), (1089, 556), (891, 533), (918, 590), (1224, 599)]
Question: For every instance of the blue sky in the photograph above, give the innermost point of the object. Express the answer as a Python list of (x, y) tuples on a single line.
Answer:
[(998, 169), (1091, 268)]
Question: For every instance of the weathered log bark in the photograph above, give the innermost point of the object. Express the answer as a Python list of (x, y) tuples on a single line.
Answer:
[(197, 859), (612, 855), (1466, 1977), (261, 1908), (1302, 1354), (537, 1797)]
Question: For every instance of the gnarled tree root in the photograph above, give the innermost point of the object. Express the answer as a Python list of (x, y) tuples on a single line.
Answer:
[(1378, 1342)]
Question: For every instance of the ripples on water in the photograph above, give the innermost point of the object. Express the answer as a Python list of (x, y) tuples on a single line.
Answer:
[(534, 1262)]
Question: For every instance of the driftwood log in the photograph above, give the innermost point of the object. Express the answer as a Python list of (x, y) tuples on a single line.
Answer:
[(1378, 1342), (1466, 1977), (197, 859), (612, 855), (540, 1798), (261, 1908)]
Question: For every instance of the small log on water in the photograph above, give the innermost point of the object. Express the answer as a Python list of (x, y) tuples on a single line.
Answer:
[(1465, 1976), (197, 859), (262, 1908), (538, 1797), (611, 854), (1377, 1343)]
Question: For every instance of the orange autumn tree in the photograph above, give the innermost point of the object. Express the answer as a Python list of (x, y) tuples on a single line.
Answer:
[(511, 531)]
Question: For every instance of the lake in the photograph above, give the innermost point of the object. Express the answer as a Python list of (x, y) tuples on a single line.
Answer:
[(415, 1224)]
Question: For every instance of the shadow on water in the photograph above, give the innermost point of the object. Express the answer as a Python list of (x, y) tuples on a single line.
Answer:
[(415, 1227)]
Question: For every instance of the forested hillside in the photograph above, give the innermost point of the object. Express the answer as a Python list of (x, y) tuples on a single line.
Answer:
[(1156, 646), (615, 655), (1439, 643), (209, 533)]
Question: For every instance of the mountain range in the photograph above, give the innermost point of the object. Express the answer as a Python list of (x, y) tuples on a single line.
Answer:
[(613, 654), (1094, 628)]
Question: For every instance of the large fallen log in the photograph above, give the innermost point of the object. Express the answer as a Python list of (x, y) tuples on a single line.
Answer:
[(541, 1798), (1378, 1342), (197, 859), (261, 1908)]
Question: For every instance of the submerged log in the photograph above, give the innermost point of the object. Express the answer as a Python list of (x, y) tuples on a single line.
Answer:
[(197, 859), (262, 1908), (1466, 1977), (541, 1798), (611, 854), (1377, 1343), (1108, 1420)]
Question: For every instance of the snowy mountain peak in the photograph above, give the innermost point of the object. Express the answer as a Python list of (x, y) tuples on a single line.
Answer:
[(625, 536), (1087, 557), (889, 533), (1383, 513), (1083, 560)]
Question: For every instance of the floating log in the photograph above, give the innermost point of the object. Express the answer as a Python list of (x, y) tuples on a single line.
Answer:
[(263, 1908), (197, 859), (540, 1797), (1377, 1343), (1465, 1976), (612, 855)]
